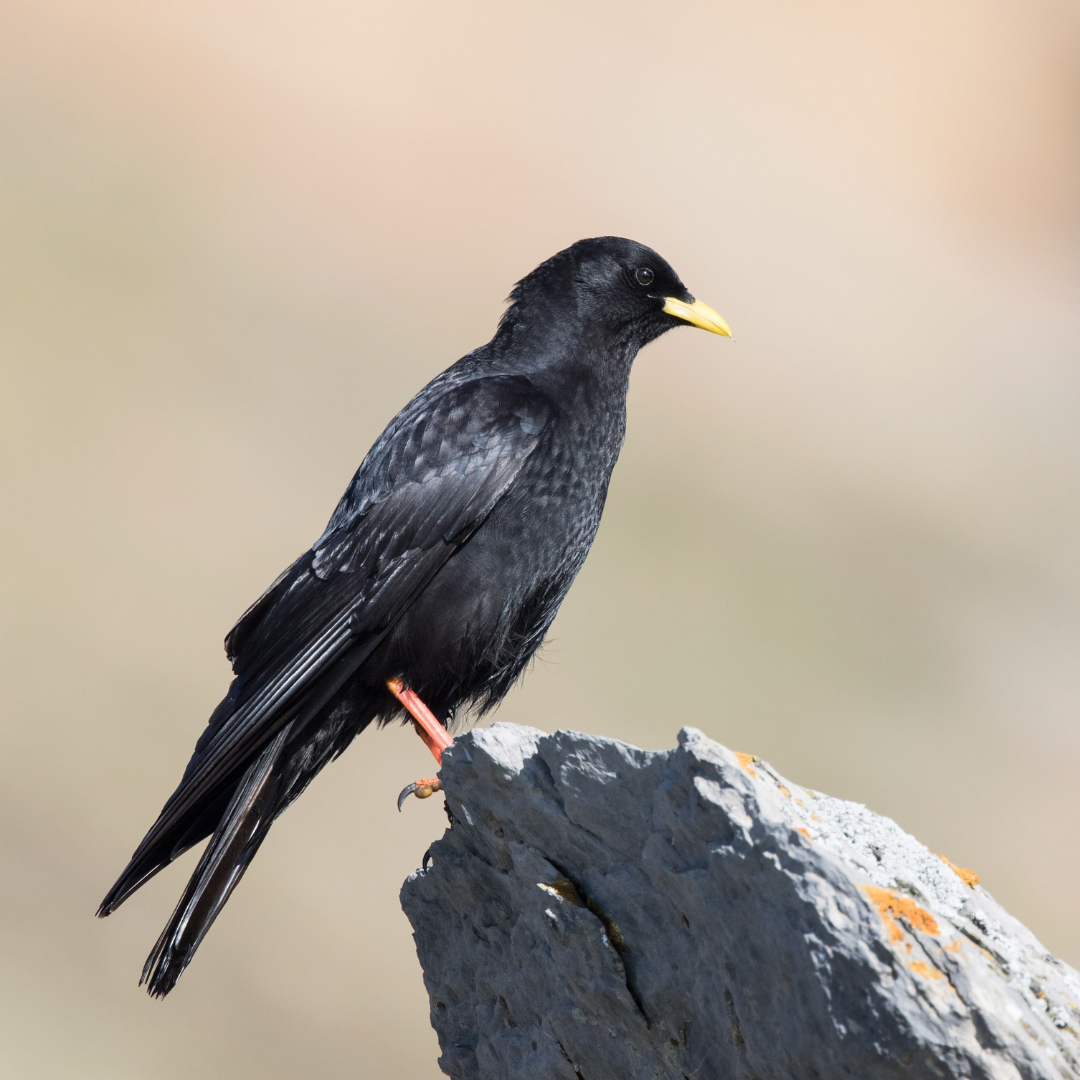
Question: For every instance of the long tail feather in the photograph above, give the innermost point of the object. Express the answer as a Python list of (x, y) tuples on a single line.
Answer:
[(242, 829)]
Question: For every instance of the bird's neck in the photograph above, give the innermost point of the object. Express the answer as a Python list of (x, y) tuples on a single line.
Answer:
[(570, 363)]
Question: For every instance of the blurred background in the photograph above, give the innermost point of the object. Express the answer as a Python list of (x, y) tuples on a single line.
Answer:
[(236, 237)]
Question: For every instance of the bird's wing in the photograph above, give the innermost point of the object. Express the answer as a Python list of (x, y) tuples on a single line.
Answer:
[(425, 486)]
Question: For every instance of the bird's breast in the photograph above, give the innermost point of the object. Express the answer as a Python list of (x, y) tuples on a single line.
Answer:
[(489, 607)]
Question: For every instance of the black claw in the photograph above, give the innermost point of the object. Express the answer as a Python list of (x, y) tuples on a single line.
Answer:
[(404, 795)]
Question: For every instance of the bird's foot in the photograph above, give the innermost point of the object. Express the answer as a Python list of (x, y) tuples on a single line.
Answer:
[(436, 737), (422, 789)]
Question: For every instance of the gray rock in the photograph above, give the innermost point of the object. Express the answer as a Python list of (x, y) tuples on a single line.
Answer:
[(598, 911)]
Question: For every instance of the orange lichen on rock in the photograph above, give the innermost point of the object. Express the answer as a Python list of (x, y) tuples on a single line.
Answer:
[(746, 760), (784, 791), (892, 906), (922, 969), (955, 946), (968, 877), (805, 833)]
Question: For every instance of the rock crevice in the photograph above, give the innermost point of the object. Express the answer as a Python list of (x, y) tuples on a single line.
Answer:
[(602, 911)]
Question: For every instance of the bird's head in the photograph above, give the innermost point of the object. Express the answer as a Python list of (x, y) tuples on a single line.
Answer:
[(612, 287)]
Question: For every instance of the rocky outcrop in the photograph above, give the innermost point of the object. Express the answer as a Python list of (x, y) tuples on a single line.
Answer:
[(598, 911)]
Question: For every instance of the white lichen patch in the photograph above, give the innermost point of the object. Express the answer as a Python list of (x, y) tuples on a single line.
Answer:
[(890, 857)]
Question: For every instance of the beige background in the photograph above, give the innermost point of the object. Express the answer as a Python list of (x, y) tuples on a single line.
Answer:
[(235, 237)]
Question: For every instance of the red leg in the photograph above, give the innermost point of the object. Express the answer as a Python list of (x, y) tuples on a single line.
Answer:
[(435, 736)]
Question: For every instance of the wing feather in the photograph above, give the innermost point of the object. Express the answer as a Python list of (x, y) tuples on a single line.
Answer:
[(425, 486)]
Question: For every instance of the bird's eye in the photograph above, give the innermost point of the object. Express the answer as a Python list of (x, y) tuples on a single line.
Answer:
[(643, 275)]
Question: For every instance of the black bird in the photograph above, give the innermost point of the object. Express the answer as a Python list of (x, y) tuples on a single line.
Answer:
[(438, 574)]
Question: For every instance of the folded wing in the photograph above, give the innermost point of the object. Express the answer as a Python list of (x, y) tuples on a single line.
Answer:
[(427, 484)]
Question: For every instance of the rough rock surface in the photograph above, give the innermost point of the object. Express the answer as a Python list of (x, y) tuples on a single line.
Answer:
[(598, 911)]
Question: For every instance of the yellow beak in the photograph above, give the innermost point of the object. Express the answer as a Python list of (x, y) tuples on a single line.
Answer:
[(697, 314)]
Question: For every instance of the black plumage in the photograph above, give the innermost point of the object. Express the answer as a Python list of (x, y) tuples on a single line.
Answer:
[(443, 565)]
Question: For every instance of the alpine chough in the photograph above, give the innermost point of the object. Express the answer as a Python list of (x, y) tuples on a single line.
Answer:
[(438, 574)]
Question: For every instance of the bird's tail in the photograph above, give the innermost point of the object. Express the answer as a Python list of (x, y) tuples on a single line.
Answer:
[(242, 828)]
